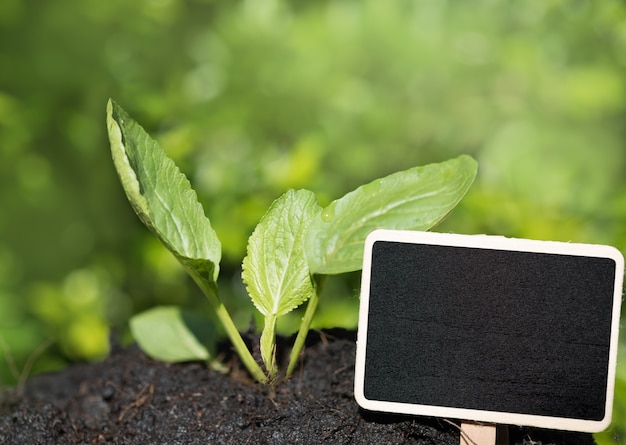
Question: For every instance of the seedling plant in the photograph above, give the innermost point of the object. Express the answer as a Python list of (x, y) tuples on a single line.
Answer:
[(294, 247)]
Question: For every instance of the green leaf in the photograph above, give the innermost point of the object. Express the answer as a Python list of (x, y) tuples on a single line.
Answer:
[(170, 334), (414, 199), (275, 269), (162, 196), (165, 202)]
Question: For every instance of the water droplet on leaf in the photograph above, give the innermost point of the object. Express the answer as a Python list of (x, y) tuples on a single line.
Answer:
[(328, 214)]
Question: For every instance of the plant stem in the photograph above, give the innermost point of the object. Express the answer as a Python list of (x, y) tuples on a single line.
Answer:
[(231, 330), (268, 345), (240, 346), (305, 325)]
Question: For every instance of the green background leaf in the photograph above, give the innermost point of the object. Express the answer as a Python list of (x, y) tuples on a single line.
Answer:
[(414, 199), (173, 335)]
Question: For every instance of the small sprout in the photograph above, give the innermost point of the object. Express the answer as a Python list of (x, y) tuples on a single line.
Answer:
[(275, 270), (295, 246)]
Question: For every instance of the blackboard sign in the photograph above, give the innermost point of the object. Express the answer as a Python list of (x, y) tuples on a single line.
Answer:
[(489, 329)]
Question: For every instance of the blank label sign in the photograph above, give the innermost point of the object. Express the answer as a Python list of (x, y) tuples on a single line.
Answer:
[(489, 329)]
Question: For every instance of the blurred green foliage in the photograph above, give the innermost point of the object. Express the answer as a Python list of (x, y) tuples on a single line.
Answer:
[(254, 97)]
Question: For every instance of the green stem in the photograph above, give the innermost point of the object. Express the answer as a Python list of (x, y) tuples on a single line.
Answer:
[(268, 345), (305, 325), (231, 330)]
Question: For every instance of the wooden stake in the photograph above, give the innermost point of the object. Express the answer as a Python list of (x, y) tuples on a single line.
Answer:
[(478, 434), (502, 435)]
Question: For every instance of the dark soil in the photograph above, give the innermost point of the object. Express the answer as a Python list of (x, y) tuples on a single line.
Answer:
[(131, 399)]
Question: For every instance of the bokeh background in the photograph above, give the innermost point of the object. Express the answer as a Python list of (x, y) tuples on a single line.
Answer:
[(254, 97)]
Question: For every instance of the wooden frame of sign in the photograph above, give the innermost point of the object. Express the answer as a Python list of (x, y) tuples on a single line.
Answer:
[(489, 329)]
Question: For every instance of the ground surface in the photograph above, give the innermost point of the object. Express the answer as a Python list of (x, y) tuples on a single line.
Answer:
[(130, 399)]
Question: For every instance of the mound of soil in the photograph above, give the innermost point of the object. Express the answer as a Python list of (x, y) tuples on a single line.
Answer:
[(131, 399)]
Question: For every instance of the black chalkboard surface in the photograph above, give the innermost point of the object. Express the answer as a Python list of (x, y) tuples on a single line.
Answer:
[(489, 329)]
